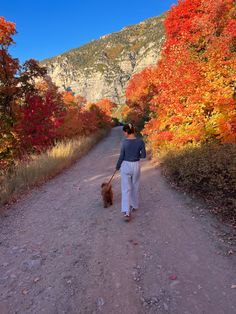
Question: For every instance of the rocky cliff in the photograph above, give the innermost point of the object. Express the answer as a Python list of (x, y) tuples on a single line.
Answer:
[(102, 68)]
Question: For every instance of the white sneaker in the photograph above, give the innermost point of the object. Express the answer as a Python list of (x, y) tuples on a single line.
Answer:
[(127, 217)]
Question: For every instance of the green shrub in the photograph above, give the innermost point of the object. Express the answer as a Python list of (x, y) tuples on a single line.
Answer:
[(209, 170)]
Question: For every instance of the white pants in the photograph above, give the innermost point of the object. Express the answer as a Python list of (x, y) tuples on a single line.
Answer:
[(130, 175)]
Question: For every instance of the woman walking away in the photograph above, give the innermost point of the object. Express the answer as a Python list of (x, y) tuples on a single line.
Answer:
[(132, 149)]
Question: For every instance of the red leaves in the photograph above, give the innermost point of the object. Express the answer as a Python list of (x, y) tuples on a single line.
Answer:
[(173, 277), (139, 93), (7, 30), (176, 120), (141, 88), (180, 21), (81, 119), (38, 122), (80, 100), (33, 113), (191, 91)]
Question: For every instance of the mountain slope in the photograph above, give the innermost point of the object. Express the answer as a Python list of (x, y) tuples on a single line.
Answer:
[(102, 68)]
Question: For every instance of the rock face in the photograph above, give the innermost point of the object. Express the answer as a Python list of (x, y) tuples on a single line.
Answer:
[(102, 68)]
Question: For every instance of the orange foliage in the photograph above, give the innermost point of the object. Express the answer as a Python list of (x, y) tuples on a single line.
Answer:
[(82, 118), (68, 98), (32, 111), (192, 94), (140, 91), (106, 105)]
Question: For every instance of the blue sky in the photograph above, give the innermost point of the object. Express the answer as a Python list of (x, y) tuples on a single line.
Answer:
[(47, 28)]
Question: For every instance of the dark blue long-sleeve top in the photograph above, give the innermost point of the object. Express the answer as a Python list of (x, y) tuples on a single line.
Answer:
[(131, 150)]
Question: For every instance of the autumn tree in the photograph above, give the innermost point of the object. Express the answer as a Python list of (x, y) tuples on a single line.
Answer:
[(8, 70), (8, 66), (32, 110), (15, 81), (38, 122), (19, 98), (192, 99), (80, 100), (140, 91), (107, 106)]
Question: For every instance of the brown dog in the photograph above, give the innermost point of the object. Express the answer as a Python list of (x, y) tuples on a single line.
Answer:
[(107, 194)]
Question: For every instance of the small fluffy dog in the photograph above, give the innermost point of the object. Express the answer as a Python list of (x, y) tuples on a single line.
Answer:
[(107, 194)]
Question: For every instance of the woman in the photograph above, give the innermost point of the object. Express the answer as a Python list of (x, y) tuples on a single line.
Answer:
[(132, 149)]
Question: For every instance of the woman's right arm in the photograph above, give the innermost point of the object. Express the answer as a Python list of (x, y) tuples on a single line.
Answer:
[(121, 157), (143, 150)]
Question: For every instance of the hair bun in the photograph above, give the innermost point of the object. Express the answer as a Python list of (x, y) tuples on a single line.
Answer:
[(129, 128)]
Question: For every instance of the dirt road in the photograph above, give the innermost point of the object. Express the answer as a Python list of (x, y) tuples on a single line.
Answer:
[(62, 252)]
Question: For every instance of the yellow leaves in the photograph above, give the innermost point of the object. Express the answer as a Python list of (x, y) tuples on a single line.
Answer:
[(126, 110), (193, 85)]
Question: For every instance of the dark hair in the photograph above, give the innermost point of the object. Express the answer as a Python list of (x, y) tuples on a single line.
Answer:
[(129, 128)]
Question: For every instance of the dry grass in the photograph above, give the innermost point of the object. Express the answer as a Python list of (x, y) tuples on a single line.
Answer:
[(208, 171), (45, 166)]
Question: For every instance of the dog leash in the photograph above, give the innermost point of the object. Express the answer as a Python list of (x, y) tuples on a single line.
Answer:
[(112, 177)]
